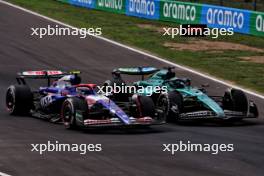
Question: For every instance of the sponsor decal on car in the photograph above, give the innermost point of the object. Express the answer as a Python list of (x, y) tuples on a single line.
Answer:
[(42, 73)]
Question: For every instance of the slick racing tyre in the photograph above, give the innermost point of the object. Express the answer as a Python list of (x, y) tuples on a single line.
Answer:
[(172, 104), (19, 100), (145, 106), (69, 109), (235, 100), (253, 109)]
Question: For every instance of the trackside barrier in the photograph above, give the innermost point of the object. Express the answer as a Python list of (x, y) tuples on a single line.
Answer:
[(242, 21), (257, 23)]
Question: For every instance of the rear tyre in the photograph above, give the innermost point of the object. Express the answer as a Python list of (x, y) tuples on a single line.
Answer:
[(19, 100), (172, 104), (69, 109)]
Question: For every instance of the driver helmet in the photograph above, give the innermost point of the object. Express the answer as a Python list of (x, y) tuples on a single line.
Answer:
[(72, 79), (170, 74)]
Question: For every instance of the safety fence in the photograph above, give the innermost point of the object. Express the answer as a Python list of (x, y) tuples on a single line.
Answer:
[(242, 21), (257, 5)]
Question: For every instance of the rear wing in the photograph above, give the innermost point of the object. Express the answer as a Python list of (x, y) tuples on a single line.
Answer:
[(43, 74), (136, 71)]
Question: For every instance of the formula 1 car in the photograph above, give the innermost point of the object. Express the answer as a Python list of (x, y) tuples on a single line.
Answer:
[(67, 100), (181, 101)]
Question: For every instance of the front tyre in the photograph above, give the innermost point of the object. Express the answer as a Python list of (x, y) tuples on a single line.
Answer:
[(254, 109), (147, 106), (69, 111), (172, 104), (19, 100), (235, 100)]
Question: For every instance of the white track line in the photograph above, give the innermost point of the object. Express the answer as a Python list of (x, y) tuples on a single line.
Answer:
[(138, 51), (4, 174)]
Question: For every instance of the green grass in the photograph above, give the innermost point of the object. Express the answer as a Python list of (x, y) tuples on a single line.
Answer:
[(124, 29)]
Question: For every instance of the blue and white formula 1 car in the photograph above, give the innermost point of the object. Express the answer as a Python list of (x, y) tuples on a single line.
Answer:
[(77, 105)]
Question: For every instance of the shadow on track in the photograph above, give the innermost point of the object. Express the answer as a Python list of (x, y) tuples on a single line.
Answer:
[(124, 130), (100, 130), (204, 123)]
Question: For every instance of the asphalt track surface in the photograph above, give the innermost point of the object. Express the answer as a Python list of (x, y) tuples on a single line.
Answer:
[(125, 152)]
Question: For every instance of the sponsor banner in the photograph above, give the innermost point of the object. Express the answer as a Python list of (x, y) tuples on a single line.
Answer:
[(180, 12), (116, 6), (257, 23), (83, 3), (242, 21), (65, 1), (143, 8), (222, 17)]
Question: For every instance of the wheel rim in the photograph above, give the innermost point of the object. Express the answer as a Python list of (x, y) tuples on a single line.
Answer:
[(67, 114), (163, 104), (10, 100)]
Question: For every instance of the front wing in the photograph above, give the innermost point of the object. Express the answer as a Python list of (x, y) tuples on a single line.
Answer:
[(116, 122), (211, 115)]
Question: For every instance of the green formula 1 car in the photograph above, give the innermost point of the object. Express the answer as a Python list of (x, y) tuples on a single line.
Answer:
[(179, 99)]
